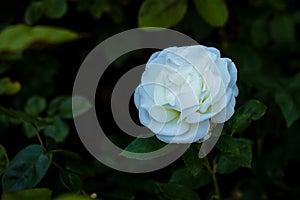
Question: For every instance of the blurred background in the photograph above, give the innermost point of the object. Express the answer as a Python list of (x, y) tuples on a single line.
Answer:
[(44, 42)]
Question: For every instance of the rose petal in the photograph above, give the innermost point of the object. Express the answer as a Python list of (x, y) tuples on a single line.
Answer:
[(195, 133), (173, 128), (160, 114)]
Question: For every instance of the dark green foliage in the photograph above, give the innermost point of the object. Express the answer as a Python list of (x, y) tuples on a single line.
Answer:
[(44, 42), (26, 169)]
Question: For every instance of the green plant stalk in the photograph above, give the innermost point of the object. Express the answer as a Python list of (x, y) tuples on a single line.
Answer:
[(213, 171)]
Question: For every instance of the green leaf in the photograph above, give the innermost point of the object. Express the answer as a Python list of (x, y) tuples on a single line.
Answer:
[(254, 109), (214, 12), (17, 38), (4, 161), (55, 8), (17, 115), (33, 12), (99, 7), (27, 169), (159, 13), (59, 131), (29, 130), (71, 181), (184, 177), (143, 145), (251, 110), (228, 144), (177, 192), (72, 197), (229, 162), (54, 105), (35, 105), (192, 161), (74, 106), (31, 194), (8, 87), (80, 166), (226, 166), (288, 107)]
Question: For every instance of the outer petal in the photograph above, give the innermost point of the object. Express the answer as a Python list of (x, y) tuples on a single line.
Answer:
[(173, 128), (195, 133)]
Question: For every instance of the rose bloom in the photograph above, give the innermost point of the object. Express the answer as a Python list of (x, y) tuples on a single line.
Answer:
[(184, 91)]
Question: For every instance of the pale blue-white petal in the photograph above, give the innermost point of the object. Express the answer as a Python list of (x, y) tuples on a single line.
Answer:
[(195, 133)]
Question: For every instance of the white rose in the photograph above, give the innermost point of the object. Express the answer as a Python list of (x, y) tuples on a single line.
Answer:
[(184, 90)]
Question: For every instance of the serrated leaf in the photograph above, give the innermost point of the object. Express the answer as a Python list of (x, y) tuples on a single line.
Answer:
[(74, 106), (33, 12), (35, 105), (157, 13), (55, 8), (229, 162), (9, 87), (287, 107), (177, 192), (31, 194), (142, 145), (4, 161), (226, 166), (214, 12), (254, 109), (184, 177), (228, 144), (251, 110), (192, 161), (27, 169), (59, 131), (71, 181), (17, 38)]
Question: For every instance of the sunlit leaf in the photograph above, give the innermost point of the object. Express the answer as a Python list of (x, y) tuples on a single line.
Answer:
[(17, 38), (157, 13), (72, 197), (214, 12), (30, 194), (9, 87)]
